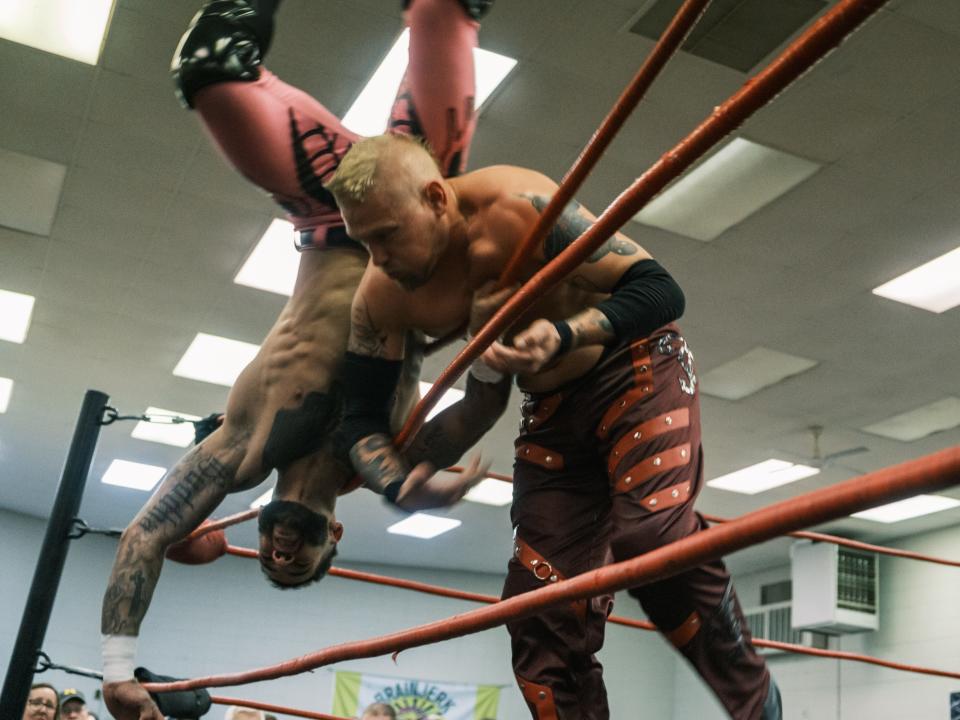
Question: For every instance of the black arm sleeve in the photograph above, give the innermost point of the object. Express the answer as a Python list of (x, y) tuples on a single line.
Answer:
[(645, 298), (369, 386)]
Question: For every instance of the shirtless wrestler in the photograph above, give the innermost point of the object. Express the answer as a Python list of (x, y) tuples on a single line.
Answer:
[(608, 462), (284, 405)]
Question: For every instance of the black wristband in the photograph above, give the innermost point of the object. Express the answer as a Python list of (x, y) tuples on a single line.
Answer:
[(392, 491), (566, 336)]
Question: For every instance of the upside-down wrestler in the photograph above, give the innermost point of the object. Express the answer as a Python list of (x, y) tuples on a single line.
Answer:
[(284, 406)]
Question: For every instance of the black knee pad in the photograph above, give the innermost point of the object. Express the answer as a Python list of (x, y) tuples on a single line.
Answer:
[(303, 430), (725, 627), (226, 41), (474, 8)]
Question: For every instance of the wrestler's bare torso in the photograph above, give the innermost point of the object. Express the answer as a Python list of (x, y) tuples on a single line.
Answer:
[(302, 354), (498, 212)]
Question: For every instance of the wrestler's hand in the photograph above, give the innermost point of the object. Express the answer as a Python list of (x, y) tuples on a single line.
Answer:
[(486, 301), (129, 701), (532, 349), (424, 489)]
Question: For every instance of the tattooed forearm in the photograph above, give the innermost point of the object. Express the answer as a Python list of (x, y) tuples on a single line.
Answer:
[(452, 432), (571, 224), (591, 327), (131, 586), (188, 494), (365, 337), (171, 506), (437, 444), (378, 462)]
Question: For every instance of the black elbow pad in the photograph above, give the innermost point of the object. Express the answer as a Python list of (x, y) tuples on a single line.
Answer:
[(370, 385), (645, 298)]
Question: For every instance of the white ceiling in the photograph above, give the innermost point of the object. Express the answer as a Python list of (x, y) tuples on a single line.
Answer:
[(152, 227)]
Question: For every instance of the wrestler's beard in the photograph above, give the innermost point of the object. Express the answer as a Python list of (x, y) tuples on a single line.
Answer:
[(311, 526)]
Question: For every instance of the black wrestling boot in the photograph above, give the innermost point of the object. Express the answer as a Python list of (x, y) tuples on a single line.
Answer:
[(474, 8), (226, 41)]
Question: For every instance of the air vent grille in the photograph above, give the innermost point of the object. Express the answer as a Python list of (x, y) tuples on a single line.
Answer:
[(735, 33)]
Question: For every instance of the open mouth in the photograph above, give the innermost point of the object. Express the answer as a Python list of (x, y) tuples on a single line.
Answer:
[(286, 542)]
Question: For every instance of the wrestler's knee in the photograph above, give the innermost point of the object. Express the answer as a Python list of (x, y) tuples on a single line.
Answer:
[(226, 41)]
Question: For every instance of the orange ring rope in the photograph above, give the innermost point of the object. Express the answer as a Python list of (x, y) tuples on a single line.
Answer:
[(801, 534), (615, 619), (267, 707), (810, 47), (929, 473), (224, 522), (856, 544)]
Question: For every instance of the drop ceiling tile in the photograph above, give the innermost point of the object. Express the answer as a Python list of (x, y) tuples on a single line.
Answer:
[(102, 195), (129, 154), (46, 134), (63, 88), (87, 226), (145, 108), (942, 16), (141, 45), (113, 265), (29, 192)]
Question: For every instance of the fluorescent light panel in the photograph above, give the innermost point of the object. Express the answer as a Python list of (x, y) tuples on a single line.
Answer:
[(6, 389), (915, 424), (491, 492), (450, 397), (422, 525), (262, 500), (907, 509), (734, 183), (370, 112), (273, 264), (215, 359), (133, 475), (164, 431), (29, 190), (750, 373), (762, 476), (16, 310), (934, 286), (72, 28)]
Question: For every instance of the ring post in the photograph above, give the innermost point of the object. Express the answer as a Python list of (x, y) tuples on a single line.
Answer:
[(53, 555)]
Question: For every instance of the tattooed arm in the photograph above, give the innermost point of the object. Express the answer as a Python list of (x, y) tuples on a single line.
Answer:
[(642, 297), (446, 437), (371, 370), (186, 497)]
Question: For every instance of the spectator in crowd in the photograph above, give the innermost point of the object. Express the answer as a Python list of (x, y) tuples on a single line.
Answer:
[(42, 703), (73, 705), (379, 711), (235, 712)]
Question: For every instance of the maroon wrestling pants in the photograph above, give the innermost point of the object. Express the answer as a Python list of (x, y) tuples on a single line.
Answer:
[(608, 468)]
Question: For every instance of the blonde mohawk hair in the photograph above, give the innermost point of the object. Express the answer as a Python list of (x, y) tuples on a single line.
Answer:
[(357, 172)]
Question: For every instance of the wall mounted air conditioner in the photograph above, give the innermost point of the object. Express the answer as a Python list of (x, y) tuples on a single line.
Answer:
[(773, 622), (835, 589)]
